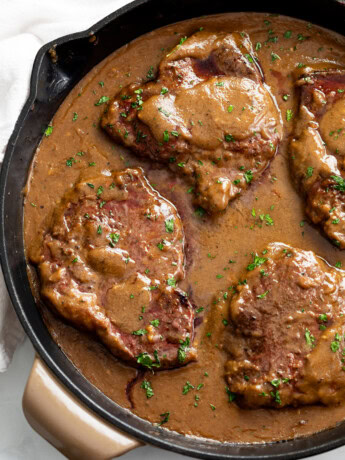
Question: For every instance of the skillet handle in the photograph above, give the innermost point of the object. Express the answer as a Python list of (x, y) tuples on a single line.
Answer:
[(66, 423)]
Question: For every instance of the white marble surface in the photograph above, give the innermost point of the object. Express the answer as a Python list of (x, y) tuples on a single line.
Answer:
[(19, 442)]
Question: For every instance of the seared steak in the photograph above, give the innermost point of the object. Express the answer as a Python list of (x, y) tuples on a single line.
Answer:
[(110, 262), (208, 116), (286, 343), (318, 149)]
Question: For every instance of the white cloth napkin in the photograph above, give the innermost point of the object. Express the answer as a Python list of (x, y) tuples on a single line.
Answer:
[(25, 25)]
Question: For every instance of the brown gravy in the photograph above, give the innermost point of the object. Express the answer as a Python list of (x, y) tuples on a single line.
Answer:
[(218, 248)]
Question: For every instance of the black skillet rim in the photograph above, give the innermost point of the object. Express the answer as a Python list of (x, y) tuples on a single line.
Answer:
[(64, 369)]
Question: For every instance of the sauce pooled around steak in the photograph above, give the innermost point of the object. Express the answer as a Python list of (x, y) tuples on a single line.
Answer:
[(286, 340), (207, 78), (318, 150), (110, 263), (208, 115)]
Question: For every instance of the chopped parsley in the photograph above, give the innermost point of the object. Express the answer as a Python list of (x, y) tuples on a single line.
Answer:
[(70, 162), (48, 130), (145, 360), (276, 396), (188, 386), (229, 138), (114, 238), (181, 353), (165, 418), (232, 396), (169, 225), (335, 345), (140, 332), (257, 261), (310, 339), (309, 171), (102, 100), (248, 176), (289, 115), (160, 245), (340, 183), (323, 317), (146, 385), (150, 74)]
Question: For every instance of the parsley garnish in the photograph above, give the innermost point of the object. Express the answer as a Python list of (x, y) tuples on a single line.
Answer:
[(188, 386), (140, 332), (257, 261), (48, 130), (340, 183), (310, 339), (146, 385), (165, 419), (102, 100), (169, 225), (181, 353)]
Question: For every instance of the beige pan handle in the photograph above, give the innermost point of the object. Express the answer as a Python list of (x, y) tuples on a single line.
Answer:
[(76, 431)]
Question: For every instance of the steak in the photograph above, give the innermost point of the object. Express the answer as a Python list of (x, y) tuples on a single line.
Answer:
[(318, 149), (110, 262), (286, 343), (208, 116)]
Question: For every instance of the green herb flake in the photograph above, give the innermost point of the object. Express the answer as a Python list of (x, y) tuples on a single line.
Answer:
[(102, 100), (165, 418), (309, 172), (248, 176), (146, 385), (310, 339), (140, 332), (187, 387), (145, 360), (340, 183), (232, 396), (289, 115), (70, 162), (181, 353), (257, 261), (48, 130), (169, 225), (171, 282)]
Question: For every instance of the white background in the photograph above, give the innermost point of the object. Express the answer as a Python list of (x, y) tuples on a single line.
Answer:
[(24, 26)]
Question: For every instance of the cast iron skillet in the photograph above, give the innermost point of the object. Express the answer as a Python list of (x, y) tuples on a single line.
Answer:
[(50, 84)]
